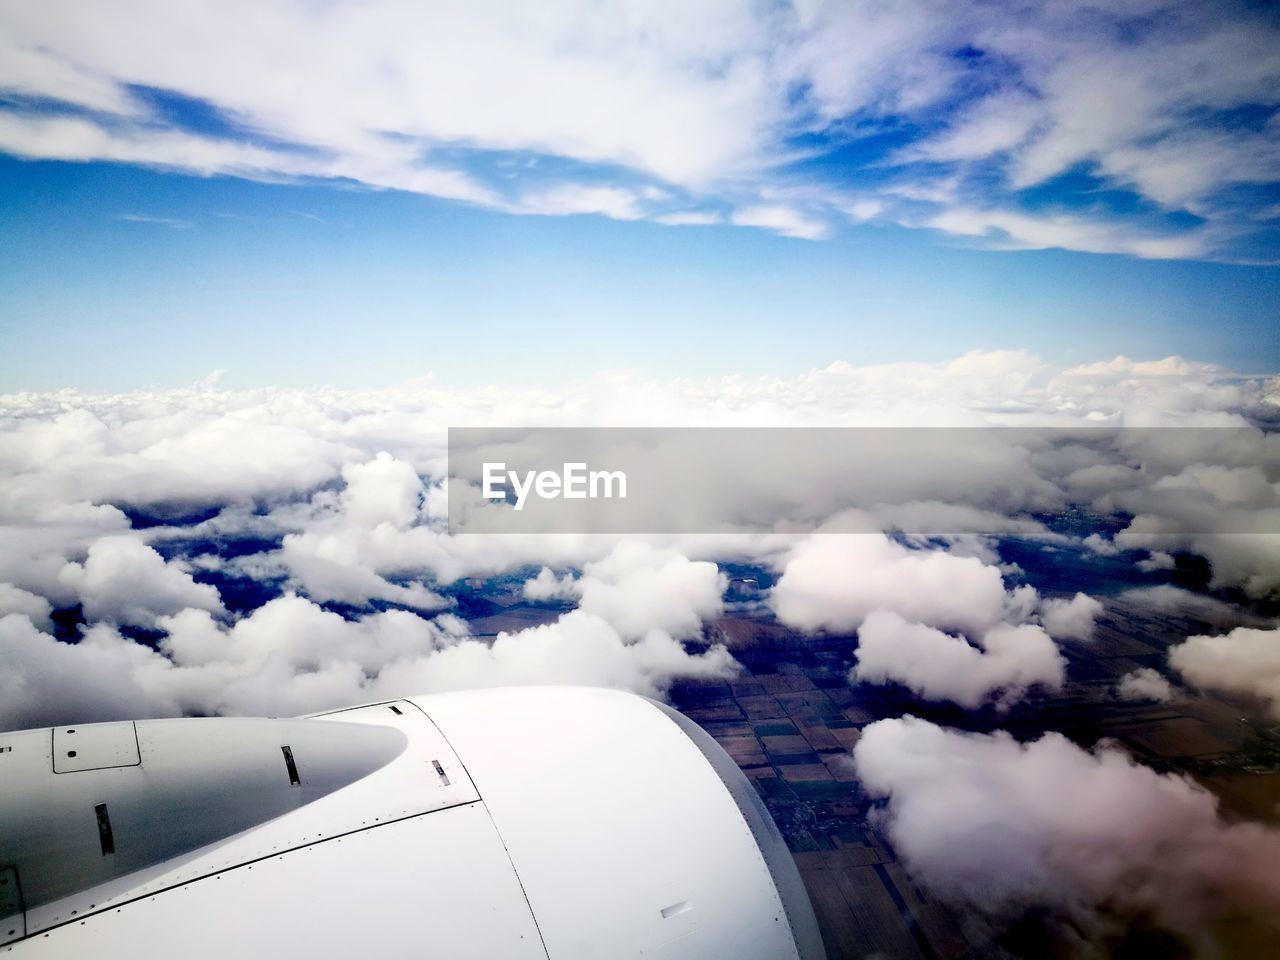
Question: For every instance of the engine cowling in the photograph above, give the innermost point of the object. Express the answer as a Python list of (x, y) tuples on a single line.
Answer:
[(525, 822)]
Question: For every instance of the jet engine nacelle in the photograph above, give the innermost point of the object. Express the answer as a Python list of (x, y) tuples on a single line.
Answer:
[(532, 822)]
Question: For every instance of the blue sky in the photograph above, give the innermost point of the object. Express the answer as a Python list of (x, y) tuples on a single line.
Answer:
[(363, 196)]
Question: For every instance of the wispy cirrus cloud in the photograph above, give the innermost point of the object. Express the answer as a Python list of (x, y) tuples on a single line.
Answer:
[(156, 221)]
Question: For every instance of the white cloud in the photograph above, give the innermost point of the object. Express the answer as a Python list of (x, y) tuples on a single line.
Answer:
[(873, 59), (1017, 230), (35, 608), (333, 567), (1246, 660), (689, 218), (995, 124), (638, 589), (383, 490), (938, 666), (579, 648), (123, 581), (67, 457), (1157, 560), (1136, 133), (1070, 619), (569, 198), (1144, 684), (1093, 837), (46, 681), (337, 478), (547, 586), (859, 211), (291, 656), (1122, 368), (916, 610), (185, 449), (629, 86), (1100, 545), (706, 98), (834, 581), (782, 219)]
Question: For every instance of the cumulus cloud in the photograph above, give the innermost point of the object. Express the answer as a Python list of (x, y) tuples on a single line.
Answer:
[(1246, 660), (1250, 561), (940, 622), (1157, 560), (637, 589), (1007, 661), (35, 608), (1092, 836), (383, 490), (189, 448), (291, 656), (579, 648), (1145, 684), (548, 586), (100, 678), (329, 568), (337, 495), (123, 581), (1070, 619), (834, 581)]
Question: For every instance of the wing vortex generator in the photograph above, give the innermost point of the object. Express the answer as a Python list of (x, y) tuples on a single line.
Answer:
[(531, 822)]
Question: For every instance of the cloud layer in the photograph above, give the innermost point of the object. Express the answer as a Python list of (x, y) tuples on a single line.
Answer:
[(1146, 129), (291, 657), (170, 526)]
